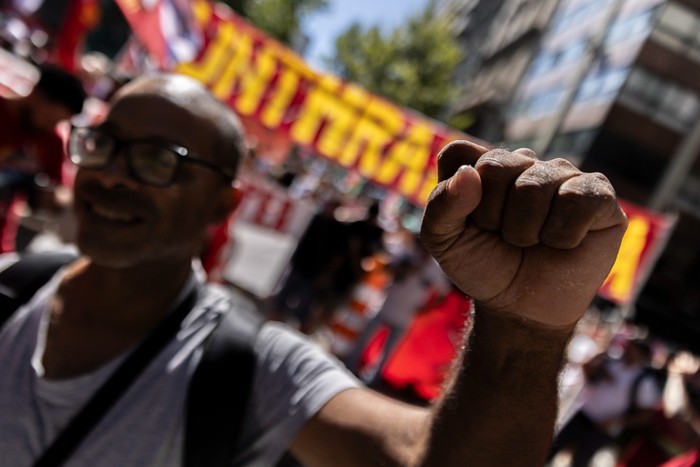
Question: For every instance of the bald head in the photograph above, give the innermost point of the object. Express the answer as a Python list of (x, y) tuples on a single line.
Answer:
[(190, 95)]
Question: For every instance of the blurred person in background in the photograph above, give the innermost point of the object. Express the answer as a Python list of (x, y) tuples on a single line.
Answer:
[(364, 238), (682, 410), (618, 398), (308, 290), (415, 274), (670, 432), (31, 152)]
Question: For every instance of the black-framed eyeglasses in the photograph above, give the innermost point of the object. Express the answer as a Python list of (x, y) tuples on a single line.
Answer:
[(148, 162)]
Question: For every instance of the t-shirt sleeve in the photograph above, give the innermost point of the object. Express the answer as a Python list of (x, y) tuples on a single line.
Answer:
[(294, 379)]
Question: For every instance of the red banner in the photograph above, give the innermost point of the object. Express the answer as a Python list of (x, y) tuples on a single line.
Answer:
[(646, 235), (264, 80)]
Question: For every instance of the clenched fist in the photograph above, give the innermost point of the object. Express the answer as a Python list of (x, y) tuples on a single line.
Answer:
[(522, 236)]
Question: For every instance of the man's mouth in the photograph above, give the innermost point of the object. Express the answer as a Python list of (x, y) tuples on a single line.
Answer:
[(111, 214)]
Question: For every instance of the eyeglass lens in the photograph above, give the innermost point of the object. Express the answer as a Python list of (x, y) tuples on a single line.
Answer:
[(148, 163)]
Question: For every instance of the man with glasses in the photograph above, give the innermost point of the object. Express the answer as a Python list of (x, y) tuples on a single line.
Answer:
[(530, 241)]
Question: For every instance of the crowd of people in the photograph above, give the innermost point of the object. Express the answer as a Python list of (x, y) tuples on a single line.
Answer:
[(139, 224)]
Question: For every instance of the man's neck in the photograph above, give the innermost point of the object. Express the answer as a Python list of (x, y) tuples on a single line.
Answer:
[(98, 313), (133, 294)]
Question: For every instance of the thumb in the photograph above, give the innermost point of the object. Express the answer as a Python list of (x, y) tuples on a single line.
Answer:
[(450, 203)]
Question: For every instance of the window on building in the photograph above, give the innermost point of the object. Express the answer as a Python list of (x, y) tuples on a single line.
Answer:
[(662, 100), (572, 52), (550, 59), (631, 27), (540, 105), (679, 30), (601, 85), (568, 18), (571, 145), (543, 63)]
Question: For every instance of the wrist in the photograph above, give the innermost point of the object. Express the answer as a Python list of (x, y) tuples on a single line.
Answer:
[(521, 330), (511, 366), (510, 347)]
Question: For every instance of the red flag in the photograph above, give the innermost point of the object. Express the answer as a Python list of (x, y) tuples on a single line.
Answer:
[(166, 28), (81, 17), (422, 360)]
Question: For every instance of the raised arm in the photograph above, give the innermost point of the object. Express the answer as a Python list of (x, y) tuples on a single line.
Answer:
[(531, 242)]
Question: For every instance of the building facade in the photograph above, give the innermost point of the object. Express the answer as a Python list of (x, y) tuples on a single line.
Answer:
[(612, 85), (501, 50)]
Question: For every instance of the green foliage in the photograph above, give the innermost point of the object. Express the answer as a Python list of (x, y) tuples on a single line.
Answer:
[(412, 66), (462, 121), (279, 18)]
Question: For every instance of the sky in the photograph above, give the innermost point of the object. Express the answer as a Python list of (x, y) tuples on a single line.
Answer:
[(323, 27)]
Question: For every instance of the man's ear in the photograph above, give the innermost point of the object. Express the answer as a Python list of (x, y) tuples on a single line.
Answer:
[(228, 200)]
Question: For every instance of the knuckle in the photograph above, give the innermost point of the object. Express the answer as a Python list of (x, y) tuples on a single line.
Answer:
[(600, 176), (491, 167), (499, 164), (530, 194), (555, 170), (589, 188), (498, 155), (537, 176), (591, 201), (527, 152), (559, 163)]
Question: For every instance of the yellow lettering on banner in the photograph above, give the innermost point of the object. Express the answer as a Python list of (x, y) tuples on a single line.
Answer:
[(380, 124), (202, 12), (326, 102), (336, 133), (238, 57), (620, 281), (292, 71), (421, 137), (209, 66), (285, 89), (410, 155), (255, 78)]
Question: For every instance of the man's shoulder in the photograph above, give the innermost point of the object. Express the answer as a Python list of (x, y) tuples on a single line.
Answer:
[(275, 337), (279, 347), (295, 368)]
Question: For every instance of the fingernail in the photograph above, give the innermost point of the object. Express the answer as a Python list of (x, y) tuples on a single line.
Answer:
[(460, 173)]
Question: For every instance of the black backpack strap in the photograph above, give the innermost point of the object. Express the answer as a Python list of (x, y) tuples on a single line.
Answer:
[(20, 281), (70, 438), (220, 387)]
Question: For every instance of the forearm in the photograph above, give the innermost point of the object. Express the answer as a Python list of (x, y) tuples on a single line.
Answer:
[(501, 405)]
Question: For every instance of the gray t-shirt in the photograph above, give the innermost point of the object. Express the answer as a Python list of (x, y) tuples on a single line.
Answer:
[(293, 380)]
